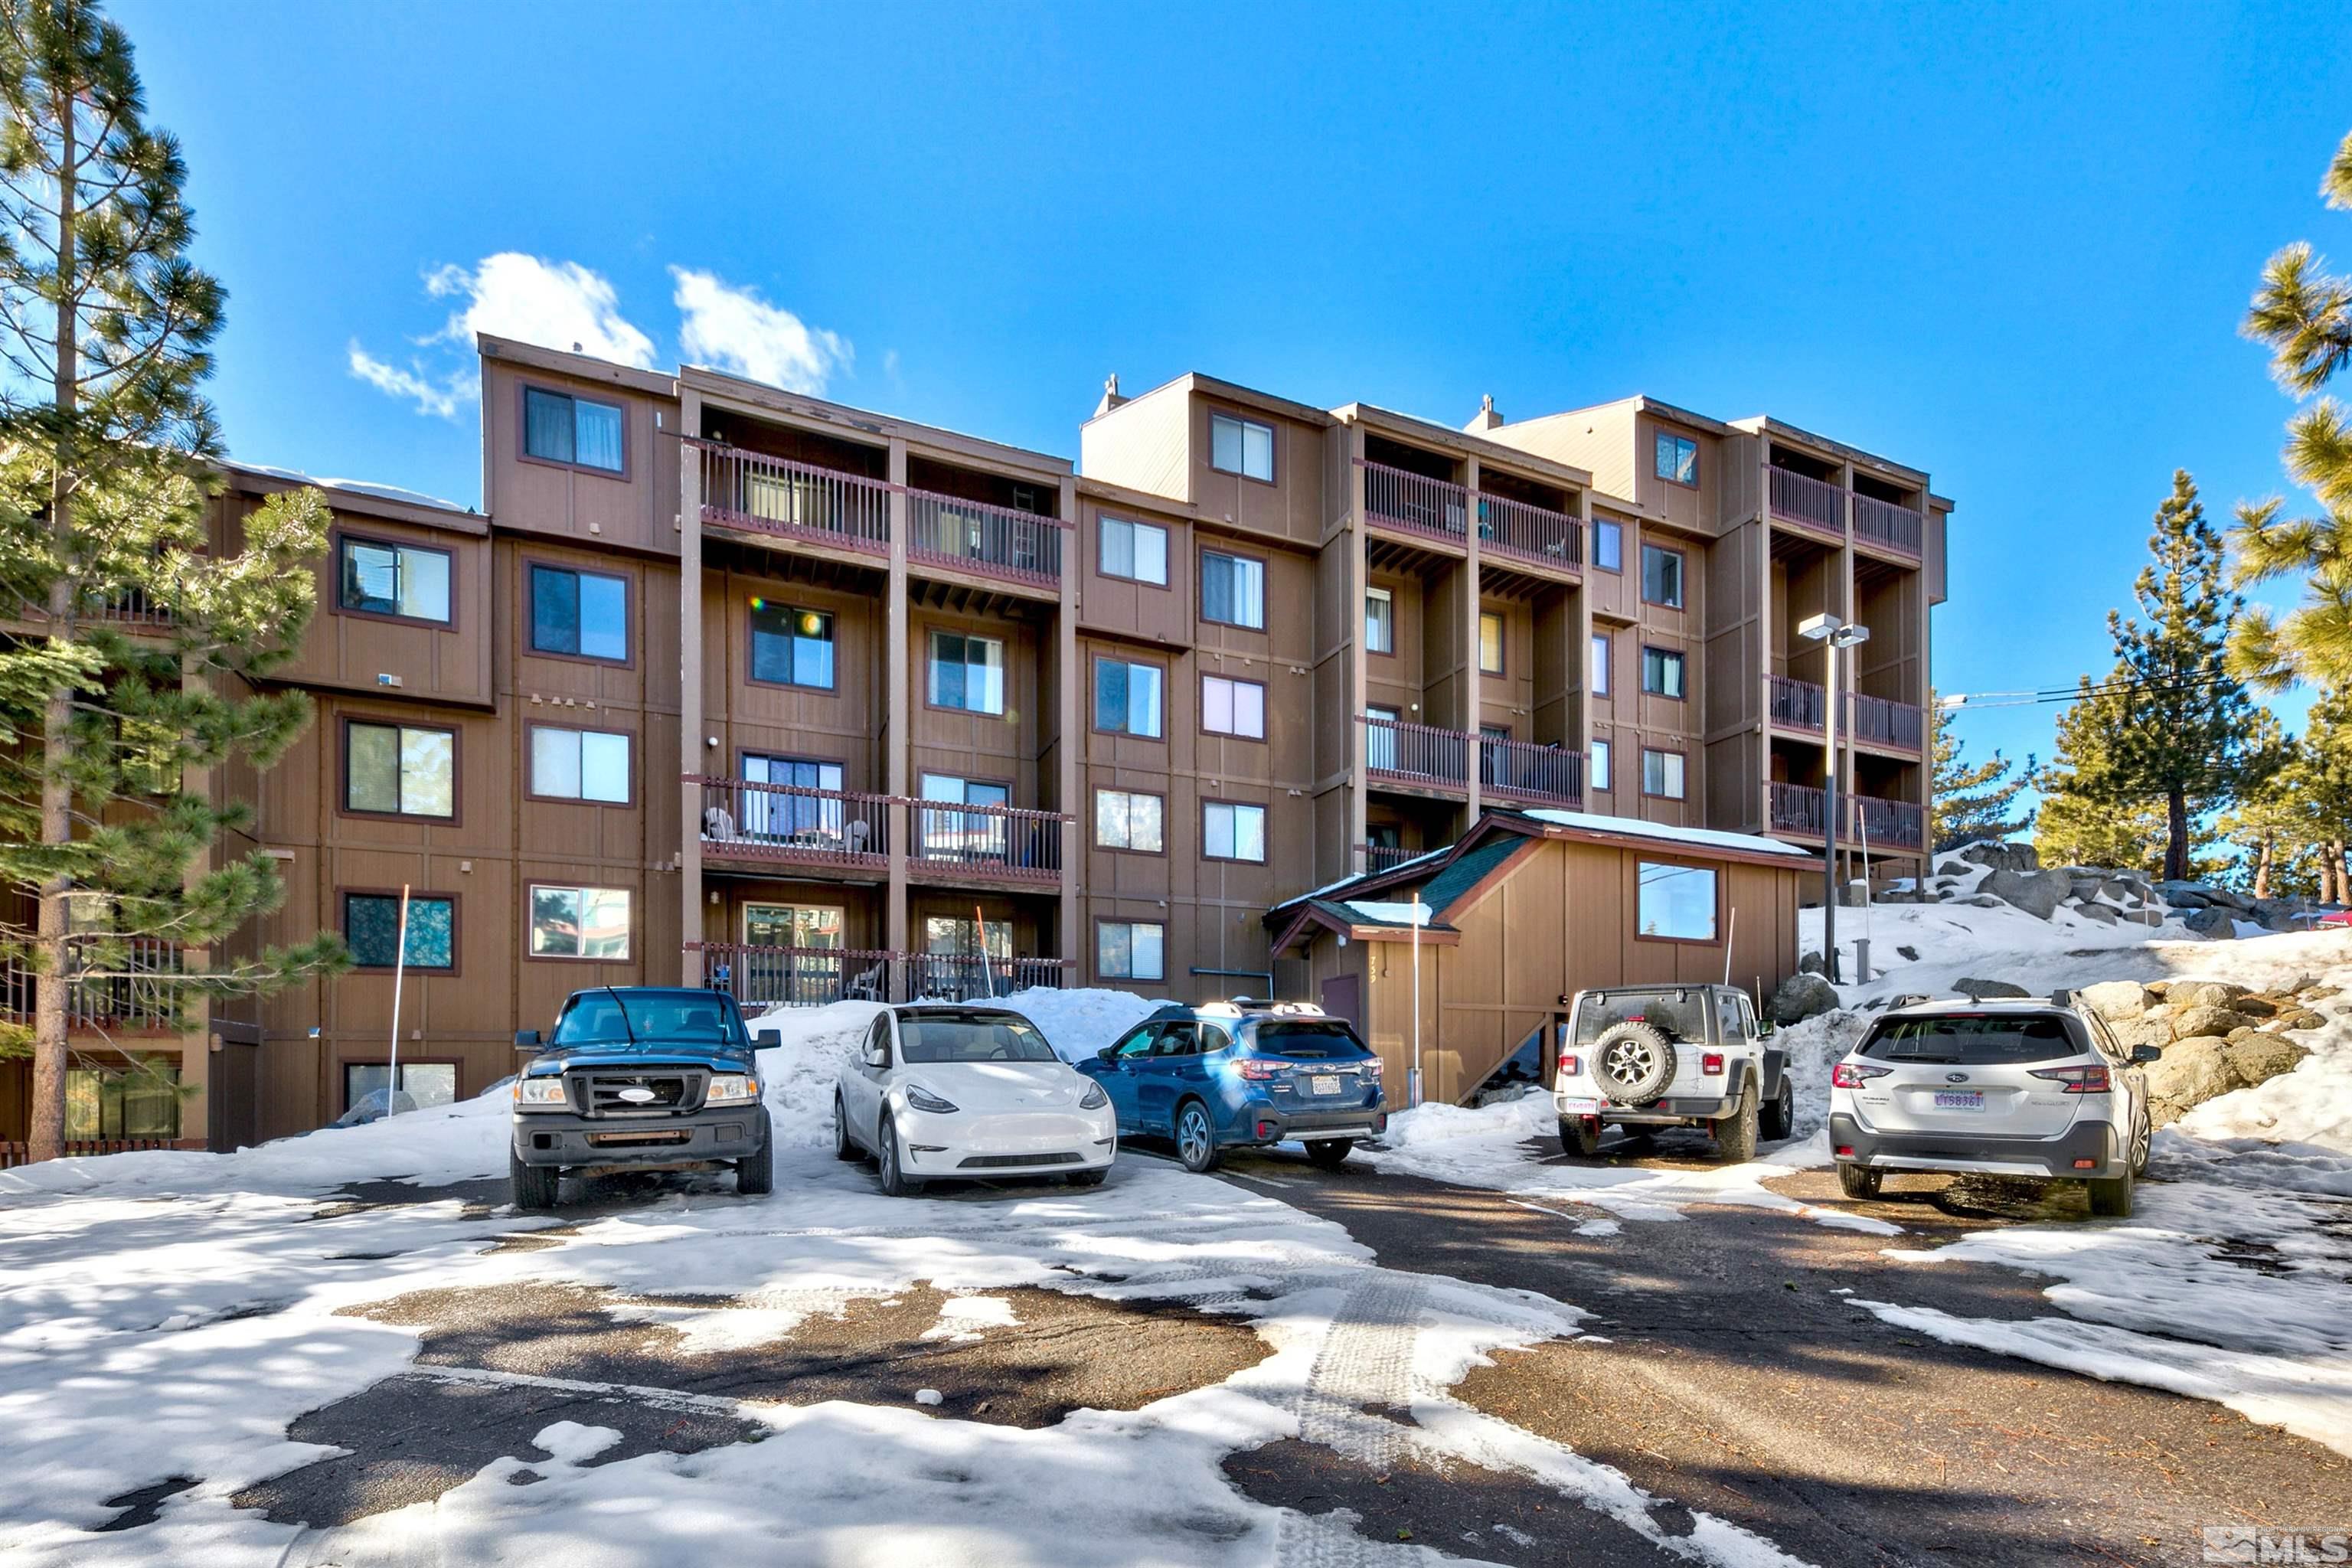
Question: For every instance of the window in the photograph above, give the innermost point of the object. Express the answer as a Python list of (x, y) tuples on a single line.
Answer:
[(1608, 545), (1232, 590), (1662, 673), (955, 834), (138, 1102), (1597, 764), (1243, 447), (371, 931), (1677, 902), (421, 1084), (1231, 706), (967, 672), (1661, 774), (560, 428), (1127, 698), (1127, 820), (1677, 458), (1601, 663), (1380, 620), (1136, 550), (1490, 643), (410, 581), (1230, 831), (400, 769), (792, 925), (1662, 576), (579, 764), (799, 819), (1131, 950), (584, 615), (579, 923), (791, 648), (1381, 737)]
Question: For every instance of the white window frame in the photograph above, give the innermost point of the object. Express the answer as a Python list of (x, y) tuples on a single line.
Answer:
[(1596, 763), (1234, 704), (1134, 549), (1249, 463)]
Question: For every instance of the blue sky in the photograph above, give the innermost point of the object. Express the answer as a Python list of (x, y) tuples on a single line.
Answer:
[(2008, 245)]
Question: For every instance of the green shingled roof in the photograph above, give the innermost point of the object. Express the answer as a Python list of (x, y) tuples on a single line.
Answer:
[(1470, 867)]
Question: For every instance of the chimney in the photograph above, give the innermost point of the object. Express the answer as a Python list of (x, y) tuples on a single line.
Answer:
[(1488, 419), (1110, 397)]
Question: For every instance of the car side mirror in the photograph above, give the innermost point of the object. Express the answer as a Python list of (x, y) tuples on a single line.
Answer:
[(1763, 1028), (526, 1039), (2147, 1054), (768, 1039), (1109, 1053), (877, 1056)]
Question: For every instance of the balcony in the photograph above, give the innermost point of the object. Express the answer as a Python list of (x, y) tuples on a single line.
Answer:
[(988, 843), (1796, 704), (1870, 720), (966, 977), (1882, 824), (1526, 770), (1894, 528), (762, 979), (1518, 532), (134, 986), (760, 494), (1414, 503), (1807, 502), (784, 825), (1373, 859), (1418, 755), (975, 536)]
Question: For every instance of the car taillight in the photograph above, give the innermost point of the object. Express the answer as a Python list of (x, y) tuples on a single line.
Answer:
[(1570, 1066), (2077, 1080), (1372, 1066), (1258, 1070), (1853, 1075), (1711, 1064)]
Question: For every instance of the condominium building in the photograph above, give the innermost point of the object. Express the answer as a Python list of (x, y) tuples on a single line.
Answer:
[(729, 685)]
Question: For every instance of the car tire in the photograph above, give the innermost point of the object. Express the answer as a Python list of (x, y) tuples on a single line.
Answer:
[(755, 1175), (1331, 1154), (1633, 1062), (844, 1147), (1196, 1137), (535, 1187), (1088, 1178), (1860, 1181), (2143, 1133), (2111, 1196), (896, 1182), (1579, 1138), (1735, 1135), (1780, 1119)]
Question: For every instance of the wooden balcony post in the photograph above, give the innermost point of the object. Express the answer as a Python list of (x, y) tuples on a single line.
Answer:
[(692, 761), (896, 719)]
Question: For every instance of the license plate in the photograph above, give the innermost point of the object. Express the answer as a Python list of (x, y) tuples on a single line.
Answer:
[(1579, 1106), (1959, 1099), (1323, 1083)]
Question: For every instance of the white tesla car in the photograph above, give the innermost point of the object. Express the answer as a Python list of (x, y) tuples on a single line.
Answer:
[(948, 1090)]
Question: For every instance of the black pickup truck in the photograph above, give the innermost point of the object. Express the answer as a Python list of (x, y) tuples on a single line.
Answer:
[(638, 1077)]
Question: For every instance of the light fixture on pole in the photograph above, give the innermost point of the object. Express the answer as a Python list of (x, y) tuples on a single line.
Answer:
[(1833, 632)]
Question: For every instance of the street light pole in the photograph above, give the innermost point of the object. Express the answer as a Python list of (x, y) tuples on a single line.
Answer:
[(1833, 633)]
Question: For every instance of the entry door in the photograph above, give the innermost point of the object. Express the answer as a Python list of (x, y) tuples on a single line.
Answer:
[(791, 819), (1340, 999)]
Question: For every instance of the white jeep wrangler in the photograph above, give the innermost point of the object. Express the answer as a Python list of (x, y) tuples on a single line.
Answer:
[(1644, 1056)]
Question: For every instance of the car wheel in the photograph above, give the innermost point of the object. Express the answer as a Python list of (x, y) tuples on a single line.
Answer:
[(896, 1182), (534, 1186), (1735, 1135), (755, 1174), (2111, 1196), (1780, 1116), (2143, 1133), (1088, 1178), (1860, 1181), (1331, 1154), (1579, 1136), (1196, 1137), (844, 1147)]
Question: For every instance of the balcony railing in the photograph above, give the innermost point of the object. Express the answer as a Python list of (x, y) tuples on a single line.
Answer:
[(1415, 503), (1801, 498), (966, 977), (1512, 527), (765, 978), (999, 842), (1797, 704), (1373, 859), (761, 494), (1800, 808), (1880, 722), (1416, 753), (1887, 823), (742, 819), (1896, 528), (126, 985), (978, 537), (17, 1151), (1528, 771)]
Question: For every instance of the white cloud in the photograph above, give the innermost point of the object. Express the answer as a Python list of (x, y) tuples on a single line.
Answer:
[(440, 397), (735, 329), (554, 304)]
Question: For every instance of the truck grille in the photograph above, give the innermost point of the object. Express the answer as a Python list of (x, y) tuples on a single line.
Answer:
[(639, 1093)]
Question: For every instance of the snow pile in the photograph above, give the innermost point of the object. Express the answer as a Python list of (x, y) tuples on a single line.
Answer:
[(797, 1077)]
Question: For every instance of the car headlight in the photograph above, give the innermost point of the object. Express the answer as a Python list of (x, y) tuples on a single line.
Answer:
[(731, 1089), (922, 1099), (545, 1093), (1094, 1098)]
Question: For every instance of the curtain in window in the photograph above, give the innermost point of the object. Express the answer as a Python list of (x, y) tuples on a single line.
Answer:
[(547, 426), (597, 443), (554, 610)]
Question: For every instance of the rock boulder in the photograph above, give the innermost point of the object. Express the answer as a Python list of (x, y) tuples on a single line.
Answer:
[(2035, 892), (1978, 990), (1803, 997), (2002, 857), (2116, 999)]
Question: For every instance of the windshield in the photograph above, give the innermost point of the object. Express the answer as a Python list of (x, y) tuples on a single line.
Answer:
[(1971, 1040), (649, 1017), (971, 1040), (1306, 1042), (1681, 1014)]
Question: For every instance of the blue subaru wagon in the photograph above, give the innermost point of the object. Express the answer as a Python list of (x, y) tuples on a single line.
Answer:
[(1233, 1074)]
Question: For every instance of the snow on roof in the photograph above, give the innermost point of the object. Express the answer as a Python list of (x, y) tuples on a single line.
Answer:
[(357, 487), (1390, 913), (1592, 822)]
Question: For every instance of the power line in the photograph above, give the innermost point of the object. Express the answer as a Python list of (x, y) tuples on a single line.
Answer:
[(1972, 702)]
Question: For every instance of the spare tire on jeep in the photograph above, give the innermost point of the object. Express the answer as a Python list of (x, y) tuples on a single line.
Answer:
[(1633, 1062)]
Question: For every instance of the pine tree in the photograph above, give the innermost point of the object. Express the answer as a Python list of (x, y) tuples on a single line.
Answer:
[(2084, 818), (2321, 781), (2304, 314), (131, 636), (2269, 822), (1971, 801), (2186, 719)]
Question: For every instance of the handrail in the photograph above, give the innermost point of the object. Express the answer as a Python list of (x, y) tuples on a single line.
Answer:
[(1801, 497), (752, 490), (1898, 528), (1415, 503), (1535, 532)]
